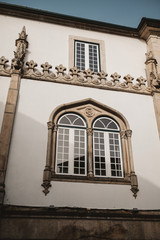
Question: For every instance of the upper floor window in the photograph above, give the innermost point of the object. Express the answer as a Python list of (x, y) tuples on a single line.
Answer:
[(87, 55)]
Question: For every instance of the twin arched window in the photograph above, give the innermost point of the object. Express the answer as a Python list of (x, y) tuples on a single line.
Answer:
[(72, 151), (89, 142)]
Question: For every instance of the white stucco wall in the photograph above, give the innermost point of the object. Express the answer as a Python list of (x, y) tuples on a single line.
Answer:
[(49, 42), (4, 85), (29, 142)]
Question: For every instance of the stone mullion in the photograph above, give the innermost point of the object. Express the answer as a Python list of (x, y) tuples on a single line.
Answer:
[(134, 181), (125, 152), (90, 153), (130, 153), (156, 102), (54, 149), (7, 128), (49, 162)]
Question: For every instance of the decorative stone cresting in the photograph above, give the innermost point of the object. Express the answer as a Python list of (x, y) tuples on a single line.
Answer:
[(76, 77), (152, 72)]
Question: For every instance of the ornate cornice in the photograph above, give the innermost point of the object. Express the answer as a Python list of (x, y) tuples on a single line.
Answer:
[(85, 78)]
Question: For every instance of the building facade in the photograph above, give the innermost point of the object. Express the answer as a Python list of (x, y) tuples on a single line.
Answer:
[(80, 150)]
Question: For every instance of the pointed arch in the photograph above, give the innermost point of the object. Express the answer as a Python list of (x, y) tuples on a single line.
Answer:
[(89, 110)]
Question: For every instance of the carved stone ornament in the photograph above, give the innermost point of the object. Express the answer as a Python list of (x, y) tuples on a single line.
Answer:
[(134, 184), (50, 125), (128, 133), (3, 70), (46, 185), (19, 54), (46, 180), (90, 131), (89, 112)]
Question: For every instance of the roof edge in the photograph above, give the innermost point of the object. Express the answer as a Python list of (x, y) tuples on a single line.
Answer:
[(146, 27), (66, 20)]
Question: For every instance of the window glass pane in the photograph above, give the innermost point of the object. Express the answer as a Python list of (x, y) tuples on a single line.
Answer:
[(99, 154), (93, 57), (72, 119), (64, 120), (80, 55), (106, 123), (116, 168), (87, 56), (79, 152), (62, 150)]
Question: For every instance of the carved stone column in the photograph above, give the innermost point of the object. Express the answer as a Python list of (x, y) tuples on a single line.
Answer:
[(134, 181), (90, 162), (125, 153), (156, 101), (10, 108), (49, 168), (54, 136)]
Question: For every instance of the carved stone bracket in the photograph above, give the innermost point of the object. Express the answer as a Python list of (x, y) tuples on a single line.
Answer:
[(3, 69), (46, 180), (134, 184)]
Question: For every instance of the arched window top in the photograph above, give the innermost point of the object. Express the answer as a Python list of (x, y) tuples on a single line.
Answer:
[(71, 119), (106, 123)]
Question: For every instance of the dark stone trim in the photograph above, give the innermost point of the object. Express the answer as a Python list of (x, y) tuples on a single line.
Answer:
[(96, 180), (9, 211), (45, 16)]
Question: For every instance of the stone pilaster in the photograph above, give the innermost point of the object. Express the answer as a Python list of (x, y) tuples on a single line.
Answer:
[(10, 107)]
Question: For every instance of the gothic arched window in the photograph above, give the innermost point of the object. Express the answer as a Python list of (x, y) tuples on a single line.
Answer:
[(107, 152), (71, 145), (89, 142)]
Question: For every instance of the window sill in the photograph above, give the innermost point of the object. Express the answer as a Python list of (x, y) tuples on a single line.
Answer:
[(86, 179)]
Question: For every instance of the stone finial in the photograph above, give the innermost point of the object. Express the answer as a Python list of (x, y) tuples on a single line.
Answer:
[(19, 54), (23, 35), (46, 66), (88, 72), (74, 71), (116, 78), (31, 64), (128, 78), (102, 76), (141, 81), (60, 69)]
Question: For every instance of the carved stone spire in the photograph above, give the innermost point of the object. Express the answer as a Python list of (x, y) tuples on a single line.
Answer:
[(19, 54)]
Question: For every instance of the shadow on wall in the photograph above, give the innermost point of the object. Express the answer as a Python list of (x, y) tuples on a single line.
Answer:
[(2, 107), (27, 159), (24, 176)]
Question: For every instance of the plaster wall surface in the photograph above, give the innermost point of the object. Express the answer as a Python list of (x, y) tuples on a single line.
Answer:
[(4, 85), (50, 42), (29, 143)]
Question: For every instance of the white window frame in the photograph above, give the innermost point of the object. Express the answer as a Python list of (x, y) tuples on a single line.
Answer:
[(87, 57), (107, 157), (71, 154), (101, 44)]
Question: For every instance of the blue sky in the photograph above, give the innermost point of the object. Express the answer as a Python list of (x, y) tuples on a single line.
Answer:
[(121, 12)]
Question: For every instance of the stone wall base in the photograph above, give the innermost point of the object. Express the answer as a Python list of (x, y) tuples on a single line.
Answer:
[(78, 224)]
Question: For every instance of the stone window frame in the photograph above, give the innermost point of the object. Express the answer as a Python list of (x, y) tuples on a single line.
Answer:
[(101, 44), (90, 109)]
